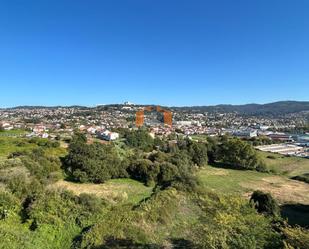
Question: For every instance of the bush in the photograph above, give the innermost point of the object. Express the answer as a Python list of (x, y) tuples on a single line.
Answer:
[(303, 178), (8, 202), (18, 185), (10, 163), (271, 157), (90, 202), (296, 237), (41, 166), (58, 207), (265, 203), (230, 222)]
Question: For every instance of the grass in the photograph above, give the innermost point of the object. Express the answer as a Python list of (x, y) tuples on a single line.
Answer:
[(59, 152), (13, 133), (227, 180), (17, 144), (290, 166), (16, 235), (200, 137), (238, 182), (115, 190), (12, 144)]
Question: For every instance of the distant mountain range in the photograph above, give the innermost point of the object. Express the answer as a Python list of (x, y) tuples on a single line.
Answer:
[(276, 108)]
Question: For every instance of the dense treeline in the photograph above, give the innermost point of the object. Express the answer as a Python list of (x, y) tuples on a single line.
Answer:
[(167, 164), (155, 161)]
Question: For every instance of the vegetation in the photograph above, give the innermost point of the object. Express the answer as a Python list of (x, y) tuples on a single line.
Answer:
[(271, 109), (92, 162), (235, 153), (265, 203), (303, 177), (142, 192), (139, 139), (285, 165)]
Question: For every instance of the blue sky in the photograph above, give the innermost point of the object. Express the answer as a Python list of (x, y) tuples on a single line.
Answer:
[(168, 52)]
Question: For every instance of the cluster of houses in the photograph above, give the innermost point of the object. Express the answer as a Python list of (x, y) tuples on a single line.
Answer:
[(99, 121)]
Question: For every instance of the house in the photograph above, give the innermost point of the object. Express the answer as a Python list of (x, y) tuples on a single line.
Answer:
[(108, 135)]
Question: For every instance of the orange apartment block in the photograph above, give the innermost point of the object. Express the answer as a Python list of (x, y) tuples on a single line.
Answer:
[(167, 115)]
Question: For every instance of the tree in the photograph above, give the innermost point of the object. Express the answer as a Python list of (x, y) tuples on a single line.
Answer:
[(239, 154), (144, 170), (212, 149), (95, 162), (139, 139), (168, 173), (198, 153)]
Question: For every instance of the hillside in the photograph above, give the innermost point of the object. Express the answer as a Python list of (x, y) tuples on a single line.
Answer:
[(143, 194), (276, 108)]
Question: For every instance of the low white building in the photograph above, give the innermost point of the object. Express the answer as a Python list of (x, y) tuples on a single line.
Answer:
[(109, 136), (245, 133)]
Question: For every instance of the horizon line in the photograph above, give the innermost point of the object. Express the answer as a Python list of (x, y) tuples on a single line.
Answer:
[(141, 104)]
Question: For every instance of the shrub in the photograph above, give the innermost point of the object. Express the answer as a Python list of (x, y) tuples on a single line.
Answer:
[(296, 237), (265, 203), (8, 202), (303, 178), (230, 222), (18, 185), (90, 202), (271, 157), (40, 165)]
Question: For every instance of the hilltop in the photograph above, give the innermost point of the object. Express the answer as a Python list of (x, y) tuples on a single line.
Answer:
[(275, 108), (268, 109)]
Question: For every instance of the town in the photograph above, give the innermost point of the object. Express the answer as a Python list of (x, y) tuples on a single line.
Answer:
[(280, 133)]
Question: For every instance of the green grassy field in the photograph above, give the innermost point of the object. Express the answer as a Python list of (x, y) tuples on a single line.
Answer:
[(290, 166), (16, 235), (200, 138), (227, 181), (244, 182), (13, 133), (13, 144)]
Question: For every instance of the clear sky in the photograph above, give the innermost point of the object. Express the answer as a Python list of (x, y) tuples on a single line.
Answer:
[(169, 52)]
